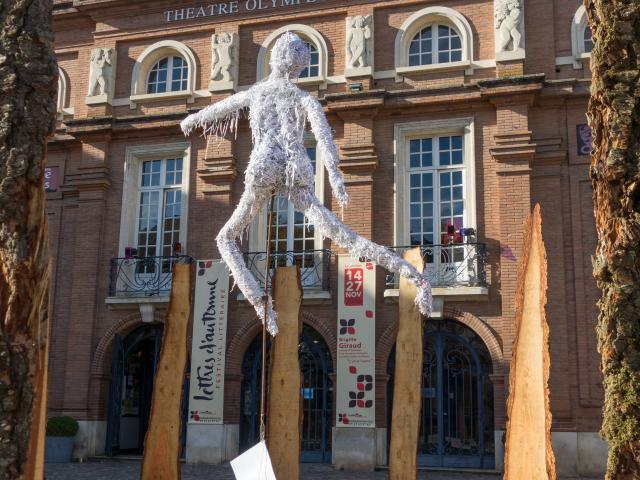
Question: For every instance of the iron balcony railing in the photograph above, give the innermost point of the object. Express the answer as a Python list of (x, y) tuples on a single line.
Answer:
[(451, 265), (142, 276), (315, 266)]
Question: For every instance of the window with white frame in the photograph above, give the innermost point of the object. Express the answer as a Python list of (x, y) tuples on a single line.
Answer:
[(581, 38), (435, 44), (165, 69), (290, 229), (313, 67), (587, 39), (435, 199), (159, 209), (315, 72), (431, 38), (169, 74), (436, 189)]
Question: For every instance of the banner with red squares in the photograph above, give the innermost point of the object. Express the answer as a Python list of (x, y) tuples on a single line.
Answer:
[(355, 396)]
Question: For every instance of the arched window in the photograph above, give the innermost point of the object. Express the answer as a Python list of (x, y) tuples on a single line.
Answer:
[(587, 39), (316, 71), (166, 69), (435, 44), (431, 38), (581, 38), (62, 94), (313, 68), (169, 74)]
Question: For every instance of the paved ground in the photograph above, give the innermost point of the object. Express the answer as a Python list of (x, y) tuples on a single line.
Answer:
[(130, 470)]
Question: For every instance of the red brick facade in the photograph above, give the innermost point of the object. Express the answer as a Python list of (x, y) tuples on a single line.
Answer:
[(524, 112)]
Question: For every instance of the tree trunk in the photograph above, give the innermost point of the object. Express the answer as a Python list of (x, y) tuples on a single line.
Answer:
[(28, 78), (614, 116)]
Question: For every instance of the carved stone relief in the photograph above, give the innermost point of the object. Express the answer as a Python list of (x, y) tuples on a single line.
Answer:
[(359, 46), (101, 75), (224, 62)]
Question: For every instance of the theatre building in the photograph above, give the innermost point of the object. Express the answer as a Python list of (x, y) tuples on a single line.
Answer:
[(453, 118)]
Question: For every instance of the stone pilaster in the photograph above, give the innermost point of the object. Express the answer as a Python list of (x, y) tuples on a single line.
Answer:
[(513, 151), (89, 183), (358, 160)]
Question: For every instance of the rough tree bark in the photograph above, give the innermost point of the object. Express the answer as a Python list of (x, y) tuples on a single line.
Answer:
[(28, 78), (614, 116)]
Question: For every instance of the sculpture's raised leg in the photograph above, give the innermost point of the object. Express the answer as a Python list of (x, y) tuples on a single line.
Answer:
[(250, 204), (329, 226)]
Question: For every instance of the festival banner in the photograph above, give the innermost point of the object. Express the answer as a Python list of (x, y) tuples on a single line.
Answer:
[(206, 389), (355, 398)]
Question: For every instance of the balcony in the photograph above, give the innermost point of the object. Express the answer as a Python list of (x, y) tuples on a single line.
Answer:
[(315, 270), (452, 265), (456, 270), (142, 276), (141, 282)]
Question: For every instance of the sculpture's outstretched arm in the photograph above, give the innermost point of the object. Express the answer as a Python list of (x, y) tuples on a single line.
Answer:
[(322, 131), (211, 118)]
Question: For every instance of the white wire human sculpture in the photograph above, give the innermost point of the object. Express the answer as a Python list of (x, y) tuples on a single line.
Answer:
[(279, 164)]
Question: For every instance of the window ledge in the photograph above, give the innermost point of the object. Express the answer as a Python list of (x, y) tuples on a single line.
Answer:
[(436, 67), (309, 297), (319, 80), (461, 293), (158, 97), (126, 302)]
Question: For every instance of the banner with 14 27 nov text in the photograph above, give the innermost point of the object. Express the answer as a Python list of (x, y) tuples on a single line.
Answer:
[(355, 399)]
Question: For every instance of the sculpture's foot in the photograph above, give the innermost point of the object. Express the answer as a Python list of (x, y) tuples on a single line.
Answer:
[(423, 297), (272, 326)]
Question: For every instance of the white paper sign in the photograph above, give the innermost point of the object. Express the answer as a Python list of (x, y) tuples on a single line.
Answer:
[(355, 397), (254, 464), (206, 389)]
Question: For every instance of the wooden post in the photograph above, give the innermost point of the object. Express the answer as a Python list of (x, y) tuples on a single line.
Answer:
[(528, 452), (161, 458), (284, 413), (407, 398)]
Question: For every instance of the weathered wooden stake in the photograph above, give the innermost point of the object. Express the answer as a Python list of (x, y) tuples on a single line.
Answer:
[(161, 459), (528, 452), (407, 398), (284, 414)]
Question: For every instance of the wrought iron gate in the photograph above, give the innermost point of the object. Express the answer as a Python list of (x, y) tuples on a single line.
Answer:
[(121, 349), (456, 428), (316, 394)]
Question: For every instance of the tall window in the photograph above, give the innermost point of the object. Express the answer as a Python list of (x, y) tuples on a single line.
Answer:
[(159, 205), (290, 229), (587, 38), (436, 189), (169, 74), (435, 44), (313, 68)]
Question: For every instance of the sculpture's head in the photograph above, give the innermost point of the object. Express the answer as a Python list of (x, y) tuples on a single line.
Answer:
[(289, 56)]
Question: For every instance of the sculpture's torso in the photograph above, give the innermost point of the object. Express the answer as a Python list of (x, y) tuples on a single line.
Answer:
[(277, 119)]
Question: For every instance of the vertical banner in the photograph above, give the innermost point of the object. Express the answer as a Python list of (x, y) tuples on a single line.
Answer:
[(355, 398), (206, 389)]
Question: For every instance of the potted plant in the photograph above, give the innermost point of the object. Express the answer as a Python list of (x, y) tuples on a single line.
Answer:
[(61, 433)]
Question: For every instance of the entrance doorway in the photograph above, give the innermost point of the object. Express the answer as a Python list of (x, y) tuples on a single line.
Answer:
[(134, 363), (456, 426), (316, 394)]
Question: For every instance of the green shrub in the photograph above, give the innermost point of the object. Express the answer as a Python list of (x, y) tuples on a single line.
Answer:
[(62, 427)]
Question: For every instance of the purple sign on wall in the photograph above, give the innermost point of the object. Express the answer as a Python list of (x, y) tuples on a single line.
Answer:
[(51, 179), (585, 139)]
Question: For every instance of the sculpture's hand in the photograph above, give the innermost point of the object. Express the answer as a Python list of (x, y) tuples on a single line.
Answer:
[(210, 117)]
